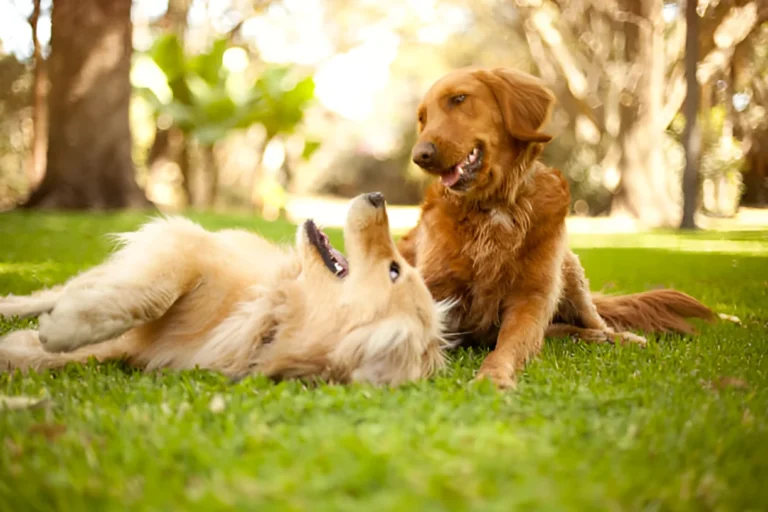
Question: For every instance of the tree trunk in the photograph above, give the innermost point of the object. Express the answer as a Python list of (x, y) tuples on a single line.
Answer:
[(756, 177), (170, 145), (644, 191), (36, 163), (170, 152), (210, 176), (692, 133), (89, 163)]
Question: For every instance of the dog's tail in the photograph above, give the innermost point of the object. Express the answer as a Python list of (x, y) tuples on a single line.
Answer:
[(653, 311)]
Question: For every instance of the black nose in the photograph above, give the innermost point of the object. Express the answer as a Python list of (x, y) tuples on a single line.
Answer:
[(424, 154), (376, 199)]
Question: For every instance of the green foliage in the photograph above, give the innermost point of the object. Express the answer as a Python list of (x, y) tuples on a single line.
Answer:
[(680, 425), (208, 104), (282, 102)]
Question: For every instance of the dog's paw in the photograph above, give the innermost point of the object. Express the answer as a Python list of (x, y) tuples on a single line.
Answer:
[(729, 318), (66, 328), (629, 338), (499, 374), (79, 319), (499, 379), (61, 333)]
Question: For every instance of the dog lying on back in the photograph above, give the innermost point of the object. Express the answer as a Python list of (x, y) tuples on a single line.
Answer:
[(492, 228), (177, 296)]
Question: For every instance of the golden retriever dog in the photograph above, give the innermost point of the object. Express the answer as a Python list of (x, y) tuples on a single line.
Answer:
[(492, 235), (177, 296)]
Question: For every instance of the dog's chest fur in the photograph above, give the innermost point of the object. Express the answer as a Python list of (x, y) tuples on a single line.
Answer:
[(469, 256), (475, 253)]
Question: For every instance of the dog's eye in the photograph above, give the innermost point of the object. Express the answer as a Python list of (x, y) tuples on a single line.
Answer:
[(458, 99), (394, 271)]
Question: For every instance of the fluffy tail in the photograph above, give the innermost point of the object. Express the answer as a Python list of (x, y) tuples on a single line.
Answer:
[(653, 311)]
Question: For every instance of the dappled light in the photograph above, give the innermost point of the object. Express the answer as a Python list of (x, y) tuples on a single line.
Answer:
[(217, 84)]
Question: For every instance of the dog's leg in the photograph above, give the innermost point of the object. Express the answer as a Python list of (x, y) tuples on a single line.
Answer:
[(22, 350), (137, 285), (520, 338), (92, 311), (526, 313), (577, 307), (23, 306), (593, 335)]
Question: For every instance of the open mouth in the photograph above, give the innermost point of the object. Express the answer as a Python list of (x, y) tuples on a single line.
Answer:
[(463, 172), (333, 259)]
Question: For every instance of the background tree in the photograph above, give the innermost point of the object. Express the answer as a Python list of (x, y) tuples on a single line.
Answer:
[(39, 143), (205, 102), (619, 68), (618, 72), (89, 161), (692, 135), (170, 147)]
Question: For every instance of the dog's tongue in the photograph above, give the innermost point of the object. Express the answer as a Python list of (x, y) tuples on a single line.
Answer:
[(450, 178)]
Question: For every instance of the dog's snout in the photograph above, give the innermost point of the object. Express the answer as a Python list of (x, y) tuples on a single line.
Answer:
[(376, 199), (424, 154)]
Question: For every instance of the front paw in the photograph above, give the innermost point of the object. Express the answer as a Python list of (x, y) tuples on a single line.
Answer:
[(500, 373)]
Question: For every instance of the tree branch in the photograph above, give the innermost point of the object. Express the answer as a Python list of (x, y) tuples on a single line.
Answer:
[(541, 33), (732, 27)]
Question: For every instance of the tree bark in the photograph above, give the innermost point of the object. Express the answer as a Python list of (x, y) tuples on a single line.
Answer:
[(89, 164), (692, 133), (211, 176), (644, 190), (36, 163)]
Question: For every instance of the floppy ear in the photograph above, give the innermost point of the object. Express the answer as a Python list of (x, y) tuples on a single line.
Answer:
[(386, 352), (525, 104)]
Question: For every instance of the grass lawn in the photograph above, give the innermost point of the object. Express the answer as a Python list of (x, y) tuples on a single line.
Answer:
[(680, 425)]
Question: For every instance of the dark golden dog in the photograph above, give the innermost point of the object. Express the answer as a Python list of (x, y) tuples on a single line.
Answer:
[(492, 228)]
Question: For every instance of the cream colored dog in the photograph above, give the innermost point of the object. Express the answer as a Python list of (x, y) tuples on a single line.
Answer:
[(177, 296)]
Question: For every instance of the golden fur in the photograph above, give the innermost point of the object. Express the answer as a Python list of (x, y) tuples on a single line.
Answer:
[(177, 296), (492, 230)]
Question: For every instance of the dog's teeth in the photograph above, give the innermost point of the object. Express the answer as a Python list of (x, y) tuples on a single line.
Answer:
[(339, 268)]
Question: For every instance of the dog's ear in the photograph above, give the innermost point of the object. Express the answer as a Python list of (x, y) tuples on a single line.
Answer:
[(524, 102), (385, 352)]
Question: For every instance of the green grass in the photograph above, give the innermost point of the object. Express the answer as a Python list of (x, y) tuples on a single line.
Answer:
[(681, 425)]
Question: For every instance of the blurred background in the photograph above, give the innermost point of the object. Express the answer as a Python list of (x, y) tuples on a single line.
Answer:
[(267, 105)]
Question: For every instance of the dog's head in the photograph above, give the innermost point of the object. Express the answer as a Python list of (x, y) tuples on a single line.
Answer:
[(473, 123), (367, 317)]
